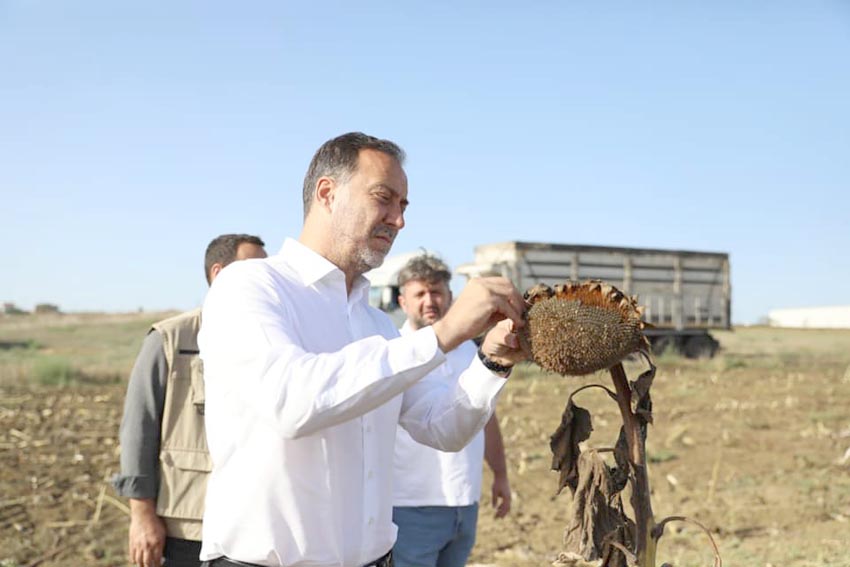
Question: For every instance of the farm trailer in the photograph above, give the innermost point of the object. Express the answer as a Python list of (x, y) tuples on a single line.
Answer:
[(685, 293)]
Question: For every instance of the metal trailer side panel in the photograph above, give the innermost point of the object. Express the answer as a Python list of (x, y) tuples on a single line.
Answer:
[(680, 289)]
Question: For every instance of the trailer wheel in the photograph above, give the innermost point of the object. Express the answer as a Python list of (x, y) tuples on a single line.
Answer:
[(662, 344), (700, 346)]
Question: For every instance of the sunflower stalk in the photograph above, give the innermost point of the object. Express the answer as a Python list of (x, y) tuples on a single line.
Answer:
[(634, 426)]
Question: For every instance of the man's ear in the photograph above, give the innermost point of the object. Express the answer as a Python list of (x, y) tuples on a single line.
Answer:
[(326, 192), (402, 302), (214, 270)]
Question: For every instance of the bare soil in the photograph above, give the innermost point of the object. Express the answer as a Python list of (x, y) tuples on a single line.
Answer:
[(754, 444)]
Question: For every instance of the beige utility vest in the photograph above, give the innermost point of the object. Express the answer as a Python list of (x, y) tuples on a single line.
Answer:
[(184, 460)]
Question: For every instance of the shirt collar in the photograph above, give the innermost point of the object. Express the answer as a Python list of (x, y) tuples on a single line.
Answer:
[(313, 267)]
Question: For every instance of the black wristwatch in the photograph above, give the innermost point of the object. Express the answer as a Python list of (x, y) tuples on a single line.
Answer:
[(492, 365)]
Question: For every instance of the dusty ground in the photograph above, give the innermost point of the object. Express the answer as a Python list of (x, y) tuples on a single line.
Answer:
[(755, 444)]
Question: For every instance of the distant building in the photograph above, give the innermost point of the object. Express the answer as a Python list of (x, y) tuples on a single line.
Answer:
[(10, 308), (835, 317), (43, 308)]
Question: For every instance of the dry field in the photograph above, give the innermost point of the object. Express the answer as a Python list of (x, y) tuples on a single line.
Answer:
[(754, 444)]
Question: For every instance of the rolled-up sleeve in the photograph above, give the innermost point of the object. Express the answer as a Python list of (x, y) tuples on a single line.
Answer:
[(140, 426)]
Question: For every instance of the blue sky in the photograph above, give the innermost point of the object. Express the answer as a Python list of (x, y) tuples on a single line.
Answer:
[(130, 135)]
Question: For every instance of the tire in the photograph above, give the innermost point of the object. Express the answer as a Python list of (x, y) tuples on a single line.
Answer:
[(662, 344), (700, 346)]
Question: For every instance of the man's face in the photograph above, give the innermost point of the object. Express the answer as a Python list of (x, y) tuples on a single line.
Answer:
[(368, 211), (247, 250), (423, 302)]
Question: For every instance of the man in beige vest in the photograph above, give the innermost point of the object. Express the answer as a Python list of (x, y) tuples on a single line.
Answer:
[(164, 457)]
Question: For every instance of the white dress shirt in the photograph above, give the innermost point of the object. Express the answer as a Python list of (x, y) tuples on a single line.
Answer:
[(424, 476), (305, 386)]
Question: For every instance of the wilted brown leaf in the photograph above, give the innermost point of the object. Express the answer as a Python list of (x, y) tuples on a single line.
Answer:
[(641, 401), (620, 473), (574, 428), (598, 520)]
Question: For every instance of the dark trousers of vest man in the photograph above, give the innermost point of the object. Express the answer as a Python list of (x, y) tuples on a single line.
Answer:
[(181, 552)]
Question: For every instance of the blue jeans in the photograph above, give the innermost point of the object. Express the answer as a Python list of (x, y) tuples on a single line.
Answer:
[(434, 536)]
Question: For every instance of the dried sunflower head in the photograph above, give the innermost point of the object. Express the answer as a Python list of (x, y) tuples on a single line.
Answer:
[(580, 328)]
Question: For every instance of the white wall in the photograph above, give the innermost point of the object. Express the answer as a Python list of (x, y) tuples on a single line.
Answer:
[(836, 317)]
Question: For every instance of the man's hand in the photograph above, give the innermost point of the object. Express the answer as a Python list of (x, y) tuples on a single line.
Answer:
[(500, 495), (147, 533), (502, 344), (481, 304), (494, 454)]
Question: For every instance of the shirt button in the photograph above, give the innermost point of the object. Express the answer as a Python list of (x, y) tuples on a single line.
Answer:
[(370, 474), (371, 521), (368, 429)]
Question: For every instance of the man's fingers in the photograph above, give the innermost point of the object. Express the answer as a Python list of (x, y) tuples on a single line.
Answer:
[(506, 308), (151, 556), (512, 340), (510, 302), (500, 509)]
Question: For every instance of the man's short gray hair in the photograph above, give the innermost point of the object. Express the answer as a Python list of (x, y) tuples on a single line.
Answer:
[(338, 157), (426, 268)]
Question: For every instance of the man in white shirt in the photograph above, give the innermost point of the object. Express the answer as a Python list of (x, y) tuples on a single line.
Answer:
[(436, 493), (306, 383)]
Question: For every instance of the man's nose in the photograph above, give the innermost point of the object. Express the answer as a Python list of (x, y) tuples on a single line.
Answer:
[(395, 217)]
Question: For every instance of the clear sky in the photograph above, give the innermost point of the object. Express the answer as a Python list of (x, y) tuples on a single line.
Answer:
[(131, 134)]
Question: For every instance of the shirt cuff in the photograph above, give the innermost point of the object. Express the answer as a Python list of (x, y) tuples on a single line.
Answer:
[(134, 486), (481, 384)]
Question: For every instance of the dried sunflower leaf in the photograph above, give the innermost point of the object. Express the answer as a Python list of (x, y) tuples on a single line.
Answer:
[(641, 401), (620, 473), (597, 515), (616, 553), (574, 428)]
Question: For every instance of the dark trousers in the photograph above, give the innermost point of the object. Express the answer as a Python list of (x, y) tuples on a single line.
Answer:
[(384, 561), (181, 552)]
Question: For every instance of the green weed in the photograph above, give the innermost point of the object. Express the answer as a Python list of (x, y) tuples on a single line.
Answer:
[(53, 371)]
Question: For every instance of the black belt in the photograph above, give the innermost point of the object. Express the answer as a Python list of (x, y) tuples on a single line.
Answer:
[(383, 561)]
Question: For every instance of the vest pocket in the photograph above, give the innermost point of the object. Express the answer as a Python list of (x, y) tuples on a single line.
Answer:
[(197, 374), (183, 483)]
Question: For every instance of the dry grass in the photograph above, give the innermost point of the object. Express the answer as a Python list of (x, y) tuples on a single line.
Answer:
[(73, 348)]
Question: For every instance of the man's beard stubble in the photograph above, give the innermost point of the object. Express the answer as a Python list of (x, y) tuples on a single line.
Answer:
[(374, 258)]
